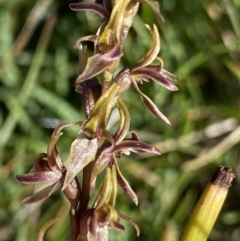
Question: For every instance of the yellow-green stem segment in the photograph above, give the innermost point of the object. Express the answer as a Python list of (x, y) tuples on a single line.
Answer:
[(208, 207)]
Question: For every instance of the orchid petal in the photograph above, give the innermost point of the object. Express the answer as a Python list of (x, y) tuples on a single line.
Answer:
[(108, 98), (82, 152), (118, 226), (130, 221), (53, 157), (45, 227), (153, 52), (129, 14), (99, 165), (38, 177), (124, 124), (125, 185), (151, 106), (116, 19), (96, 8), (113, 196), (157, 74), (98, 63), (136, 146), (105, 191), (168, 75), (108, 136), (101, 112), (41, 195)]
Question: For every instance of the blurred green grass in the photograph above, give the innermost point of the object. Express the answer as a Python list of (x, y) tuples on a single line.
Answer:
[(200, 43)]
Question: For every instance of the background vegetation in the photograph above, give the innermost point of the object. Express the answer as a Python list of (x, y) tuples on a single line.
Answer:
[(200, 43)]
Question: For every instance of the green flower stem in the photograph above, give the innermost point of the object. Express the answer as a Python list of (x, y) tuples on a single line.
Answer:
[(208, 207)]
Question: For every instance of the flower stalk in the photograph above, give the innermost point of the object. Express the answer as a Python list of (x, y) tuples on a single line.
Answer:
[(97, 149)]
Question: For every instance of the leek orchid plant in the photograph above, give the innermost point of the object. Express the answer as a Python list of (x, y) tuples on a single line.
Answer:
[(95, 148)]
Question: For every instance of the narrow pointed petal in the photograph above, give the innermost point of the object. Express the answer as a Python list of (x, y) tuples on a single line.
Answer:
[(153, 52), (130, 221), (116, 20), (157, 74), (125, 185), (94, 7), (104, 194), (41, 195), (136, 146), (151, 106), (38, 177), (118, 226), (53, 157), (98, 63), (168, 75), (129, 14), (124, 123), (83, 151), (159, 68), (45, 227), (113, 197), (100, 164), (101, 112)]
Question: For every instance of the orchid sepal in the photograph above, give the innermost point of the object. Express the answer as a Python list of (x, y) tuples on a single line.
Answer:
[(94, 7)]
